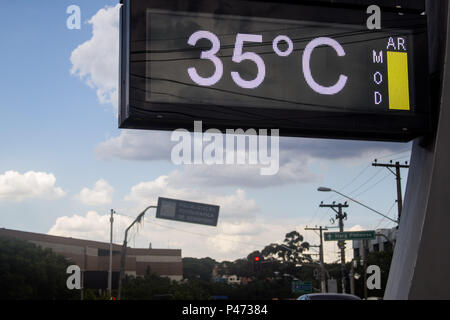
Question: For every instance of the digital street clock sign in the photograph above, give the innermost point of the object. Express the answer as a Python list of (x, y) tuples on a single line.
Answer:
[(313, 71)]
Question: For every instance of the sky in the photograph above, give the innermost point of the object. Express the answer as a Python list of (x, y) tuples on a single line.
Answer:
[(64, 164)]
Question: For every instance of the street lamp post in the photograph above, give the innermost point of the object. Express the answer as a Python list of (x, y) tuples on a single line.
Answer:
[(325, 189), (111, 220), (124, 249)]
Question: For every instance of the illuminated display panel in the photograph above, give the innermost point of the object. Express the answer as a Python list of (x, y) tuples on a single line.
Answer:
[(308, 71)]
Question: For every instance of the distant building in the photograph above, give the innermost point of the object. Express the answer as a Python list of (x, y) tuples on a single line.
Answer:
[(233, 279), (93, 257), (383, 242)]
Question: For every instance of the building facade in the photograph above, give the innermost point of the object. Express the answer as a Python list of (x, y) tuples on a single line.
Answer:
[(384, 241), (93, 257)]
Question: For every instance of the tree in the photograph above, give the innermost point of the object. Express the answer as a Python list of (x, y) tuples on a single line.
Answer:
[(198, 268), (290, 251), (29, 272)]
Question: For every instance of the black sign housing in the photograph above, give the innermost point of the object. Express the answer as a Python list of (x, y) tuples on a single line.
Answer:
[(308, 70)]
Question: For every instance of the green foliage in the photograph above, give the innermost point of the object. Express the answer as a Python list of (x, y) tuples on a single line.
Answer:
[(30, 272), (291, 250), (153, 287), (144, 288), (198, 268)]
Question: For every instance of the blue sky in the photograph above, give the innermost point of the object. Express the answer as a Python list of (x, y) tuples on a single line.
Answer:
[(54, 123)]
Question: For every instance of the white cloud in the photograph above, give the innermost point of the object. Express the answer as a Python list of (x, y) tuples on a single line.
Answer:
[(97, 60), (30, 185), (241, 228), (230, 240), (290, 172), (101, 194), (356, 228), (136, 145), (232, 205), (296, 154), (156, 145), (92, 226)]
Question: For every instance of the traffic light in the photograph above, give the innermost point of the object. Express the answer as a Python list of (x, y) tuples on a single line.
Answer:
[(257, 263)]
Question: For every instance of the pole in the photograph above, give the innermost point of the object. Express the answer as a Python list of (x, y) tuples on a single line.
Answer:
[(111, 220), (365, 267), (122, 262), (399, 189), (362, 204), (341, 244), (124, 249), (398, 178), (322, 265), (83, 271), (352, 277)]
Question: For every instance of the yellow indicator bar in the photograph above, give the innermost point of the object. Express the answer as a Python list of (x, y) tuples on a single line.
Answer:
[(398, 80)]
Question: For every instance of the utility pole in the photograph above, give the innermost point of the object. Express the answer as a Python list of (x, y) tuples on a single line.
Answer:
[(322, 266), (341, 244), (352, 277), (83, 271), (111, 220), (365, 267), (124, 249), (397, 175)]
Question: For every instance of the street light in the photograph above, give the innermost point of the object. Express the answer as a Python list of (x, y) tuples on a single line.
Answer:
[(124, 248), (325, 189)]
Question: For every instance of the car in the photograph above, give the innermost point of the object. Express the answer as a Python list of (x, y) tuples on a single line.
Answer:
[(328, 296)]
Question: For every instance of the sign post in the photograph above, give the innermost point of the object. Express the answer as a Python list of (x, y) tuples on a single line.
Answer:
[(172, 209)]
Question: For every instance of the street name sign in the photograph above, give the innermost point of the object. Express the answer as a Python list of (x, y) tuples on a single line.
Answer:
[(311, 70), (354, 235), (186, 211)]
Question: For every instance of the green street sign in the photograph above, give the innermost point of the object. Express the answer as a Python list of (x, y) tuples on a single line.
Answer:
[(355, 235), (302, 287)]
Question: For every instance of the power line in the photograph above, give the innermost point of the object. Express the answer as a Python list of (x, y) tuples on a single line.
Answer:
[(337, 207), (314, 216), (321, 250), (365, 182), (267, 43), (397, 175), (382, 219), (272, 99), (373, 186), (362, 185), (323, 216), (349, 183), (355, 178), (197, 233)]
